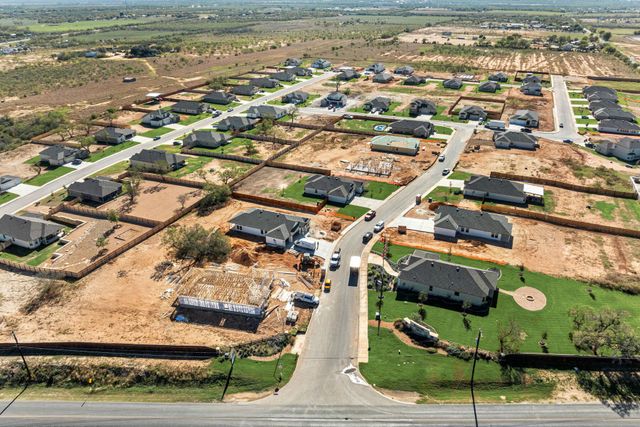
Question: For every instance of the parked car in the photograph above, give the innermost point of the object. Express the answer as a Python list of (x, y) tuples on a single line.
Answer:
[(335, 260), (367, 236), (347, 116), (446, 171), (378, 227), (327, 285), (305, 298), (155, 138), (216, 113), (585, 117), (369, 215), (76, 162), (525, 130), (441, 158), (177, 143), (568, 141), (230, 110), (306, 243), (561, 125)]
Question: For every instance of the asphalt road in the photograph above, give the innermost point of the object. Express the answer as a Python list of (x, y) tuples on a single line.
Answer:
[(51, 187), (563, 113)]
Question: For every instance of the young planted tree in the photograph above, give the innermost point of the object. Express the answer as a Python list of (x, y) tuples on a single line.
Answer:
[(182, 199), (132, 185), (101, 244), (112, 113), (294, 113), (228, 174), (197, 243), (509, 336), (37, 168), (250, 148), (113, 217)]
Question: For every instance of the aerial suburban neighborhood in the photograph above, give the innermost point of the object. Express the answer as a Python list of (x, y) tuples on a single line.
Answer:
[(370, 212)]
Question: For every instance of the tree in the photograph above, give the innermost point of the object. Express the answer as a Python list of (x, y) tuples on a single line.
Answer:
[(228, 174), (87, 124), (182, 199), (86, 142), (114, 217), (132, 185), (294, 114), (603, 331), (101, 243), (250, 148), (217, 83), (265, 126), (214, 196), (197, 243), (111, 115), (509, 336), (606, 36)]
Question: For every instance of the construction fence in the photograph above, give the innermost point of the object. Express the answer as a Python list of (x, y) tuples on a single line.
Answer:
[(565, 222), (566, 185)]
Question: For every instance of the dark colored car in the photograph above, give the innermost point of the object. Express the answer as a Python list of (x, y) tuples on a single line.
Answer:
[(367, 236), (369, 215), (525, 130)]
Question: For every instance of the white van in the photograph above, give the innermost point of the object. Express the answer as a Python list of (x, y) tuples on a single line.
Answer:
[(496, 125), (307, 243)]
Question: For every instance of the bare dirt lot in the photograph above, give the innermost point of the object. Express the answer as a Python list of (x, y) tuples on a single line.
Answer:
[(543, 105), (553, 160), (213, 169), (548, 249), (82, 250), (337, 151), (269, 182), (13, 162), (157, 201), (129, 299)]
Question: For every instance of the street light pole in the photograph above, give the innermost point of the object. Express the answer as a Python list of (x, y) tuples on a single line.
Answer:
[(473, 372)]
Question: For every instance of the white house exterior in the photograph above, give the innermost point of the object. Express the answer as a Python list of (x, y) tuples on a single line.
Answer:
[(28, 232), (626, 149), (335, 189), (277, 229), (618, 126), (8, 181), (452, 223)]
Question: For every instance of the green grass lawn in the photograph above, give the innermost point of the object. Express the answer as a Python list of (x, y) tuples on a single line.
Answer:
[(445, 194), (443, 130), (112, 149), (581, 111), (156, 132), (225, 107), (49, 175), (356, 124), (606, 209), (562, 294), (394, 365), (7, 197), (33, 161), (460, 175), (169, 148), (195, 118), (379, 190), (576, 95), (193, 164), (114, 169), (581, 121), (236, 147), (440, 109), (353, 211), (549, 203), (309, 101), (30, 257), (295, 191)]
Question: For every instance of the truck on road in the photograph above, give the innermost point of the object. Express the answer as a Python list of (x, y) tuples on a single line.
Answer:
[(354, 269)]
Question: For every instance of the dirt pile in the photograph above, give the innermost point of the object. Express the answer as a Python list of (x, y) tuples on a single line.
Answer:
[(243, 256)]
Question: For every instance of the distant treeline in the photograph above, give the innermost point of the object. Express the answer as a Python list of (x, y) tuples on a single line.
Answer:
[(15, 132)]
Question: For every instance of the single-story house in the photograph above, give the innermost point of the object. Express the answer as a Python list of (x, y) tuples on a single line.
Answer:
[(512, 139), (192, 108), (266, 111), (264, 82), (499, 77), (206, 139), (378, 104), (491, 87), (220, 98), (292, 62), (347, 75), (334, 100), (625, 149), (417, 128), (383, 77), (452, 84), (614, 114), (244, 90), (526, 118), (321, 64), (8, 181), (284, 76), (278, 229), (420, 107), (533, 89), (113, 135), (301, 71), (502, 190), (335, 189), (376, 68), (618, 126), (452, 223), (28, 232), (531, 78), (442, 281), (395, 144), (157, 161), (414, 80), (472, 112), (598, 104), (58, 155), (159, 118), (97, 190), (236, 124), (297, 97), (405, 70)]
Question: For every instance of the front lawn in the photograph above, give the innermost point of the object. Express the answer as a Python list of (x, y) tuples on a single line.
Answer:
[(379, 190), (32, 257), (152, 133), (356, 124), (445, 195), (443, 130), (7, 197), (237, 147), (394, 365), (353, 211), (112, 149), (195, 118), (115, 169), (554, 320), (295, 191), (49, 175), (460, 175), (582, 121), (440, 110)]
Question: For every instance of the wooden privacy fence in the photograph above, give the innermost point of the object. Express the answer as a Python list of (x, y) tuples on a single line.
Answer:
[(565, 222), (171, 180), (566, 185), (570, 361), (614, 79), (63, 143), (299, 168), (196, 152), (266, 138), (25, 268), (98, 214), (280, 203)]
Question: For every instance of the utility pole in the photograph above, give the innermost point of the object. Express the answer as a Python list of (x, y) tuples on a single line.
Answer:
[(26, 366), (232, 357), (381, 283), (473, 372)]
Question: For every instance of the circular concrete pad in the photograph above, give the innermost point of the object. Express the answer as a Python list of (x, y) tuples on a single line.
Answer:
[(529, 298)]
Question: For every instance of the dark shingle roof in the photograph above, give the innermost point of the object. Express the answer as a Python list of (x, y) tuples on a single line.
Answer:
[(27, 228), (515, 137), (445, 275), (332, 185), (276, 224), (113, 132), (157, 156), (411, 127), (618, 124), (380, 103), (499, 186), (219, 96), (205, 137), (58, 151), (452, 217), (97, 187), (237, 122), (297, 96)]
